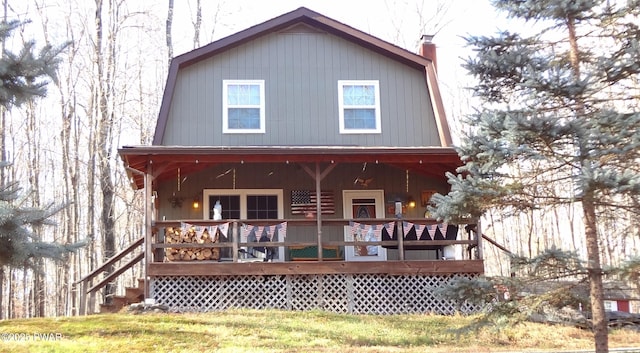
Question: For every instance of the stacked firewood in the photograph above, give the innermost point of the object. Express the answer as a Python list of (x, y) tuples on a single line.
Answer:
[(191, 235)]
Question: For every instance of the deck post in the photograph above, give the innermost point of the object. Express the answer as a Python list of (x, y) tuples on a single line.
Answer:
[(318, 178), (148, 230), (479, 239), (236, 239), (400, 235), (82, 309)]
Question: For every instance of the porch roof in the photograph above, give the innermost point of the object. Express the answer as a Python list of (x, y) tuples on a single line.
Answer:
[(162, 161)]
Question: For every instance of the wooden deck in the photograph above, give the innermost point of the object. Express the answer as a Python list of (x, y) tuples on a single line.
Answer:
[(212, 268)]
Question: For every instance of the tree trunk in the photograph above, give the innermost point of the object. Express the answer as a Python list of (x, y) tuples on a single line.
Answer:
[(34, 171), (594, 268), (103, 147), (197, 24), (168, 33)]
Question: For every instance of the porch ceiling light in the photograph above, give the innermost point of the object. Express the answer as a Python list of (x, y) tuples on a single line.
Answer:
[(411, 202)]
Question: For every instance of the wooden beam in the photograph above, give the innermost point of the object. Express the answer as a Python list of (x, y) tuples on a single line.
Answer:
[(148, 227), (212, 268)]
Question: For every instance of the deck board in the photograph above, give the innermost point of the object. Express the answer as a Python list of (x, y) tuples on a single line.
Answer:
[(212, 268)]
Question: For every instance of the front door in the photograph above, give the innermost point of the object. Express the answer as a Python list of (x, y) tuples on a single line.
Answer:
[(364, 204)]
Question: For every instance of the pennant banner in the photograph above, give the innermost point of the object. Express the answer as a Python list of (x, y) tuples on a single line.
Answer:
[(377, 231), (431, 230), (270, 231), (245, 230), (407, 228), (184, 227), (259, 230), (443, 229), (356, 231), (282, 230), (224, 229), (368, 232), (213, 232)]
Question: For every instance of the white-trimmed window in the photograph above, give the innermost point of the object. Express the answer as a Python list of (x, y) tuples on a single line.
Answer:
[(359, 105), (244, 203), (248, 205), (243, 109)]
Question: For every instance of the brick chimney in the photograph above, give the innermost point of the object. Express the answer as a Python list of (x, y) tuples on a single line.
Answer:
[(427, 49)]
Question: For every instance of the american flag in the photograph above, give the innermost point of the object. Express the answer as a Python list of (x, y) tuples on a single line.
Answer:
[(304, 201)]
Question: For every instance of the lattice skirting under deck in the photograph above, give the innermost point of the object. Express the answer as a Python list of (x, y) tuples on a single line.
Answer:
[(341, 293)]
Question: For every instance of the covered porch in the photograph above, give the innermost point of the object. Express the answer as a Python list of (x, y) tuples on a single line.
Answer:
[(329, 269)]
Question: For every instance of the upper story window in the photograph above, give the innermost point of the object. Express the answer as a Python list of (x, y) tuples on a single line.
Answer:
[(359, 105), (243, 106)]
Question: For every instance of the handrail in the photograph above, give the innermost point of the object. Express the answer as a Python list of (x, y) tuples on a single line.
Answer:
[(442, 242), (117, 272), (294, 221), (112, 260)]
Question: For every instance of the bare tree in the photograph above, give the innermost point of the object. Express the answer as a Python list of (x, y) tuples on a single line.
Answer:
[(169, 23), (197, 24)]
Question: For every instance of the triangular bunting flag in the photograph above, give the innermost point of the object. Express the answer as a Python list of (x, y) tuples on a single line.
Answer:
[(245, 230), (224, 229), (377, 231), (259, 231), (431, 229), (269, 232), (407, 228), (184, 229), (443, 229), (282, 231), (356, 231)]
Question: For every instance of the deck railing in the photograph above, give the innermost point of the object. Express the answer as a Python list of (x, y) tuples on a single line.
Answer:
[(396, 241)]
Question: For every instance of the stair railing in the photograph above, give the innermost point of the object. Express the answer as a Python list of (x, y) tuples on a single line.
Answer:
[(86, 281)]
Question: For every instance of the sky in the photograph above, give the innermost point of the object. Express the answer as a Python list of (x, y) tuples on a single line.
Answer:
[(395, 21)]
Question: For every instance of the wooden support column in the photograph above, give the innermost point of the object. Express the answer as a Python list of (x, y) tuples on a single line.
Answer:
[(236, 240), (319, 210), (148, 229), (479, 239), (400, 235), (82, 310), (318, 176)]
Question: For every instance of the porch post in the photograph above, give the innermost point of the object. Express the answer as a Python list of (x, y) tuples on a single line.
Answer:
[(236, 240), (148, 230), (479, 239), (318, 178), (400, 235)]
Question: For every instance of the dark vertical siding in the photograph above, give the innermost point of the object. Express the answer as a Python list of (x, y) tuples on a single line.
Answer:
[(301, 71)]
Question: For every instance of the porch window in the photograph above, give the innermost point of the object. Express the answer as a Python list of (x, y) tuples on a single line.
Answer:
[(359, 106), (243, 107), (247, 205)]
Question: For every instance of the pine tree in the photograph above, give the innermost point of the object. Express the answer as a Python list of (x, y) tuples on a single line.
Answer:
[(23, 76), (559, 107), (18, 247)]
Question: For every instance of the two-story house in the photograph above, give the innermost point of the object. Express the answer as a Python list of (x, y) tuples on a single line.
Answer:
[(291, 168)]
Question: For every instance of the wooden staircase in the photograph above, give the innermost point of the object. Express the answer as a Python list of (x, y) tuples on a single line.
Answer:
[(132, 294)]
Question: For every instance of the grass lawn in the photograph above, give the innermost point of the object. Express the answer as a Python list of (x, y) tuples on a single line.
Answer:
[(284, 331)]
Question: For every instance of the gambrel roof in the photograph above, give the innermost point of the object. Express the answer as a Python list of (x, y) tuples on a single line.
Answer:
[(314, 20), (427, 160)]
